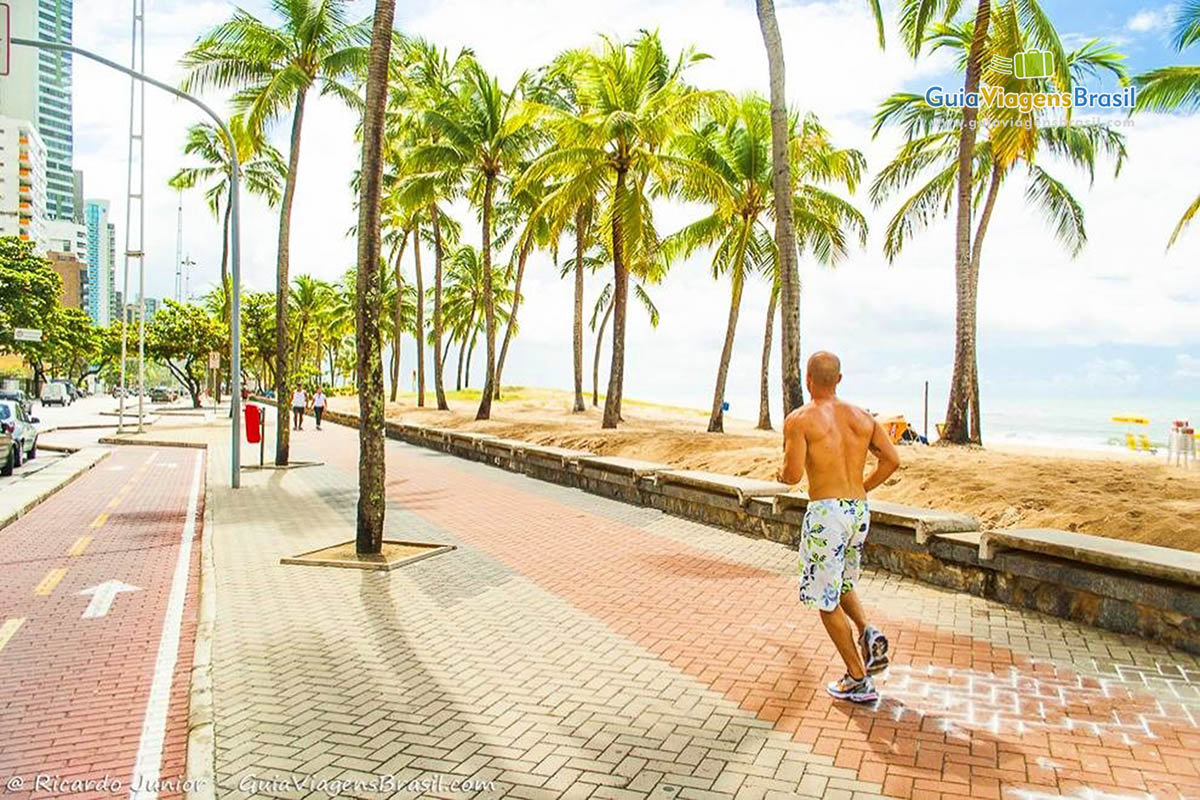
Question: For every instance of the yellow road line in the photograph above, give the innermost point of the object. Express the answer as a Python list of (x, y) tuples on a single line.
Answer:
[(80, 545), (8, 629), (100, 520), (50, 581)]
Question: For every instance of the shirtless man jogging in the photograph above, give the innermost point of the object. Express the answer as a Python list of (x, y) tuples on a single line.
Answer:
[(829, 440)]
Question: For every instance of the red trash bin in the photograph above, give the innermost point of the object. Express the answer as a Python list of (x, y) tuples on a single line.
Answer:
[(253, 423)]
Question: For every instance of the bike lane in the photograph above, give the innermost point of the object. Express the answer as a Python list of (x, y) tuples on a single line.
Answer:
[(98, 601)]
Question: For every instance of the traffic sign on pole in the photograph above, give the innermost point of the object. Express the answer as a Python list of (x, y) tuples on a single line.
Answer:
[(27, 334)]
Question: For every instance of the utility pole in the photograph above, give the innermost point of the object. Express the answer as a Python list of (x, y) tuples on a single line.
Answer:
[(135, 226), (179, 251), (188, 263)]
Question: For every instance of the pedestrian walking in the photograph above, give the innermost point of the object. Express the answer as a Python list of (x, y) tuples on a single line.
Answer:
[(829, 439), (299, 403), (319, 404)]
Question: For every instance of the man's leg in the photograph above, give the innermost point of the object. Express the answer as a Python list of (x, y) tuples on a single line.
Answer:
[(854, 610), (843, 638)]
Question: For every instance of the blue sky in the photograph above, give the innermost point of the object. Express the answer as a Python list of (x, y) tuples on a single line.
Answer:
[(1121, 321)]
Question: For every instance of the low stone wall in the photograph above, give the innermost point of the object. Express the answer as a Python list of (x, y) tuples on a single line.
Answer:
[(936, 547)]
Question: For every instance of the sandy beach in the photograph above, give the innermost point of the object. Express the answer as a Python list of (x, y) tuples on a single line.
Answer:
[(1123, 496)]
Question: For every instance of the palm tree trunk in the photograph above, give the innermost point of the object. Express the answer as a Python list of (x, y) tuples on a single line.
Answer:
[(956, 430), (470, 355), (596, 359), (489, 305), (420, 335), (785, 233), (580, 246), (397, 321), (716, 420), (764, 386), (616, 374), (512, 318), (975, 434), (462, 350), (368, 333), (282, 423), (439, 361)]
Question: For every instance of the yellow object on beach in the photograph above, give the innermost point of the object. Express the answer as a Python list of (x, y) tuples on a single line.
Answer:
[(1131, 420)]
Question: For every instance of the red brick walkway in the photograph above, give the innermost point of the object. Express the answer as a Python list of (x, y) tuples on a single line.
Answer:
[(960, 717), (75, 687)]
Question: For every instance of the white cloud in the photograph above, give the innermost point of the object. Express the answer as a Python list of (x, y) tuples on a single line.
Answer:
[(1148, 20), (1187, 366)]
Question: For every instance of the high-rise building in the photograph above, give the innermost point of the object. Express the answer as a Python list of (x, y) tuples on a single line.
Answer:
[(73, 273), (22, 182), (78, 193), (38, 88), (100, 252), (112, 270)]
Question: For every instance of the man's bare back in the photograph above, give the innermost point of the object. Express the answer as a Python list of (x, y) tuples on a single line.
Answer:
[(828, 440)]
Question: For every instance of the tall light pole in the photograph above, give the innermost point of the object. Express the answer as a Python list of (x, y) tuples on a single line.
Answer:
[(235, 246)]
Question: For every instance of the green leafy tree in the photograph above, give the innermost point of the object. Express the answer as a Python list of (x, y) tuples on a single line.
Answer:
[(29, 292), (180, 337), (1176, 88), (272, 66)]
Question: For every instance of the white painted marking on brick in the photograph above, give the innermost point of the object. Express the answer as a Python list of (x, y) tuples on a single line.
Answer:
[(103, 595), (154, 722)]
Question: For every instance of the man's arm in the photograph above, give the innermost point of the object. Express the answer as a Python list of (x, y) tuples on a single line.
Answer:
[(795, 448), (888, 458)]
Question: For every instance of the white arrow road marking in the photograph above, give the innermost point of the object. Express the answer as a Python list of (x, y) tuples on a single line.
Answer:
[(103, 595)]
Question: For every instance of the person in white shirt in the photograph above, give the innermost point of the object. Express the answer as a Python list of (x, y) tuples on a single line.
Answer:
[(299, 402), (319, 405)]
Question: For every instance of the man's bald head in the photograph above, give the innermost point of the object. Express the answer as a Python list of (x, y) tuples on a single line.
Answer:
[(824, 371)]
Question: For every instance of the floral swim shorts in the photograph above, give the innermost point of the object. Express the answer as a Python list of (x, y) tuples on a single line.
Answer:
[(831, 550)]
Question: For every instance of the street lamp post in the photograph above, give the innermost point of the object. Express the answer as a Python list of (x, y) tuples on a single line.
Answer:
[(234, 232)]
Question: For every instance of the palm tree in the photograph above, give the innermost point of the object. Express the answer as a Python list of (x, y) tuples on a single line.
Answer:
[(930, 155), (465, 287), (371, 466), (308, 304), (635, 102), (1175, 88), (918, 20), (422, 85), (604, 302), (516, 217), (272, 66), (262, 172), (482, 133), (785, 234), (736, 181)]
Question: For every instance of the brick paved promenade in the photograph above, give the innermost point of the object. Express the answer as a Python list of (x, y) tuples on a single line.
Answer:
[(574, 646)]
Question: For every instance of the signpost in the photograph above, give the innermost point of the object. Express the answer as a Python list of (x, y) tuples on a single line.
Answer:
[(5, 39), (27, 334)]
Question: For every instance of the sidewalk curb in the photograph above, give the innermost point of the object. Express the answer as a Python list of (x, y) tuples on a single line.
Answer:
[(200, 771), (122, 440), (91, 457)]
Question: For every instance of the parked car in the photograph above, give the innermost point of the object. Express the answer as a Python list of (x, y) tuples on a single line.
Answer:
[(164, 394), (19, 426), (6, 452), (18, 396), (74, 390), (56, 394)]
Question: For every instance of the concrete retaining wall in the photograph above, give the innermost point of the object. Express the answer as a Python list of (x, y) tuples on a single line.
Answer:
[(931, 546)]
